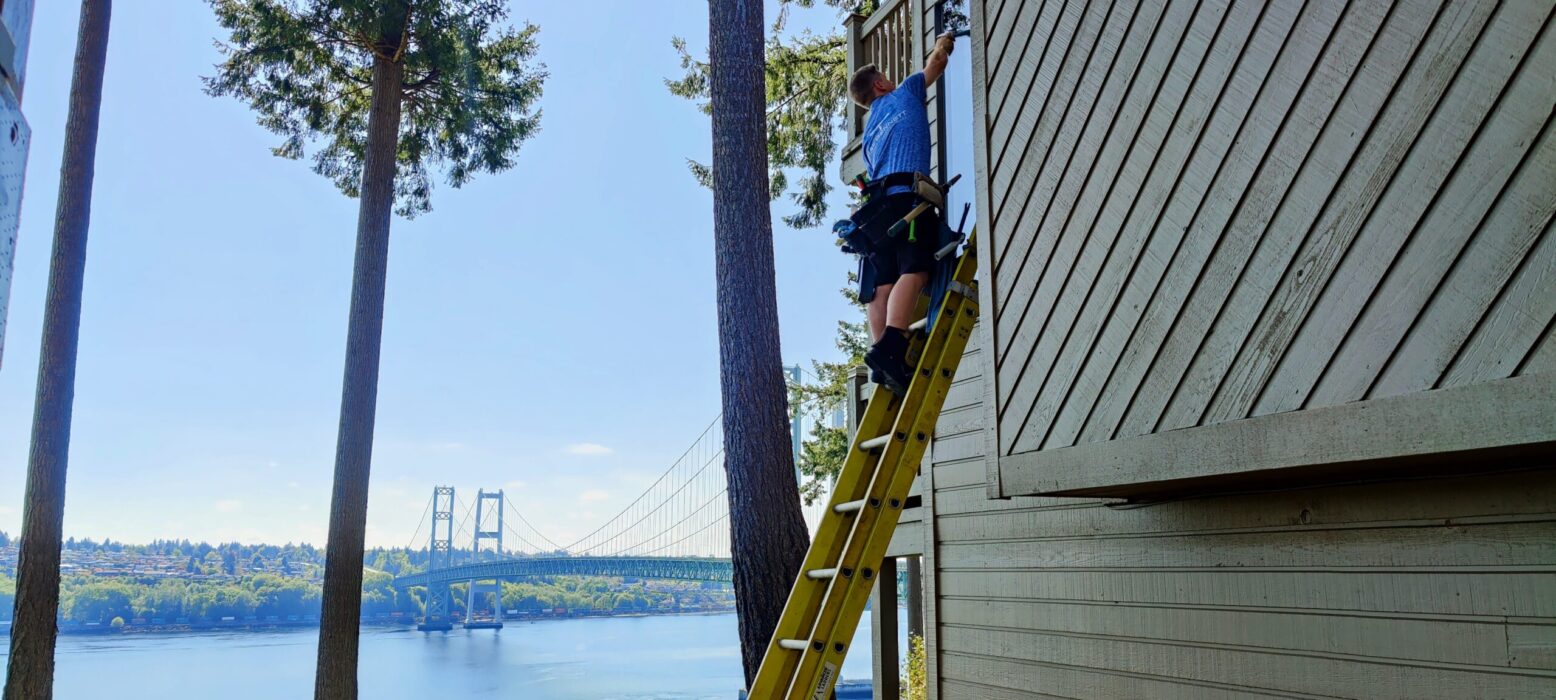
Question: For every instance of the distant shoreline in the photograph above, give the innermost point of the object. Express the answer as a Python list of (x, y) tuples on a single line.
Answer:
[(101, 630)]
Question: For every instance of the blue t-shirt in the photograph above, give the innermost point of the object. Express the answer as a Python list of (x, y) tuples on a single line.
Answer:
[(896, 134)]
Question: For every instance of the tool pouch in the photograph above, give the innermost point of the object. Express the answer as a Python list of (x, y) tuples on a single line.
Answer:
[(869, 227)]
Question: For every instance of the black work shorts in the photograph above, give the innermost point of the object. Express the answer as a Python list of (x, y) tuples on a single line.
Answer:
[(900, 255)]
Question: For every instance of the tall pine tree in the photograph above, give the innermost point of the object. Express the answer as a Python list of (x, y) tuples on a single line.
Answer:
[(388, 90), (767, 531), (30, 673)]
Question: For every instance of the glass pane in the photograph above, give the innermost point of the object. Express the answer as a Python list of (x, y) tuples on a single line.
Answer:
[(956, 90)]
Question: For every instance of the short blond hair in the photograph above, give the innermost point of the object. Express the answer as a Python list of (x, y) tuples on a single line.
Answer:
[(861, 87)]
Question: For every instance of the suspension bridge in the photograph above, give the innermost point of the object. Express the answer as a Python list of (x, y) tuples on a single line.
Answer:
[(676, 529)]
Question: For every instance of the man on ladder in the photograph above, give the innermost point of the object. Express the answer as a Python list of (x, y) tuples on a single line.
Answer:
[(896, 152), (903, 249)]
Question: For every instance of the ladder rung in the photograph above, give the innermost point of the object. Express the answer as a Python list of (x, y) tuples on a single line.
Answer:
[(849, 507), (845, 550)]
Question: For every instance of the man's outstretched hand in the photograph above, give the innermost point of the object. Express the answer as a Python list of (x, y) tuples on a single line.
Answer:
[(935, 65), (946, 42)]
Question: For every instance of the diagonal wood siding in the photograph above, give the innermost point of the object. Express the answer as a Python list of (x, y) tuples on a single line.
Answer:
[(1202, 211), (1195, 212), (1421, 589)]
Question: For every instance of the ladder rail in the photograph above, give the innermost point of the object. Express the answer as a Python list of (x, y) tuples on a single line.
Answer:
[(806, 594), (823, 611), (847, 596)]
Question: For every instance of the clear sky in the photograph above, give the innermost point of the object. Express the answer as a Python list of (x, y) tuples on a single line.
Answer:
[(550, 330)]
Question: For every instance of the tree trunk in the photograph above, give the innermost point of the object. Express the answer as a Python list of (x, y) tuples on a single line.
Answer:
[(767, 531), (340, 618), (30, 675)]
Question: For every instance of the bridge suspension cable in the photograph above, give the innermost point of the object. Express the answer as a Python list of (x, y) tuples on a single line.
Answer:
[(718, 499), (671, 517), (531, 546), (677, 515), (460, 534), (419, 523)]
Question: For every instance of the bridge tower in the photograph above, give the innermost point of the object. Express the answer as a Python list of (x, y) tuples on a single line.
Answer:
[(488, 531), (440, 553)]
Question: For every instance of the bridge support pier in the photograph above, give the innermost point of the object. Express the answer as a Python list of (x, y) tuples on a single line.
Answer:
[(436, 618), (440, 550), (488, 529), (475, 601)]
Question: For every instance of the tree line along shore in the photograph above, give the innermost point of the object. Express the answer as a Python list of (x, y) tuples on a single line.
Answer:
[(178, 585)]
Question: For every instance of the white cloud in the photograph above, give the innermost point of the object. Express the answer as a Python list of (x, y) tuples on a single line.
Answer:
[(593, 495), (588, 449), (229, 505), (514, 485)]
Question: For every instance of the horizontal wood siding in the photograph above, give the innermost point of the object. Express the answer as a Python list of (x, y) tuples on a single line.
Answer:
[(1197, 212), (1435, 588), (1202, 211)]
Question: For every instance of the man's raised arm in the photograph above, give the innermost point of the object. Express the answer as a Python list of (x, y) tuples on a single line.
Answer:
[(935, 66)]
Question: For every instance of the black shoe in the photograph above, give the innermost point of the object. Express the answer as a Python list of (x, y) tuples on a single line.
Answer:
[(887, 359), (895, 375)]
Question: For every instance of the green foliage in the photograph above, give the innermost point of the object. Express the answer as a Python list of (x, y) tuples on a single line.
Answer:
[(264, 591), (806, 104), (823, 453), (378, 594), (87, 599), (305, 66), (98, 601), (269, 597), (7, 596), (915, 679), (600, 595)]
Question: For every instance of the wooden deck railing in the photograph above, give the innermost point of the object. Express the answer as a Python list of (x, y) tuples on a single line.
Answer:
[(886, 39)]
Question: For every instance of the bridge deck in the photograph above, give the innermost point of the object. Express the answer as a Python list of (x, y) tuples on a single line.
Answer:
[(687, 569)]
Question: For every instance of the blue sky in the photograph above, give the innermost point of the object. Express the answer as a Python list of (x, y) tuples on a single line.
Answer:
[(550, 330)]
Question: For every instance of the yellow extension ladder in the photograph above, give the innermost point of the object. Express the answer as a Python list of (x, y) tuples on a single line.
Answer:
[(830, 594)]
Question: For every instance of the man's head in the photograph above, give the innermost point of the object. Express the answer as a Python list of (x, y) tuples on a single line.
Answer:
[(867, 84)]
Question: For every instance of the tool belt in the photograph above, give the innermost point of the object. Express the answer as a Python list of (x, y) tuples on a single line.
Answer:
[(871, 226), (874, 223)]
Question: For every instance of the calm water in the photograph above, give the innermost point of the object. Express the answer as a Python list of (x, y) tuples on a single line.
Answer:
[(640, 658)]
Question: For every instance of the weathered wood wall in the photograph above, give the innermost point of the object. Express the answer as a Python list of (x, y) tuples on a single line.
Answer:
[(1438, 588), (1203, 211), (1200, 211)]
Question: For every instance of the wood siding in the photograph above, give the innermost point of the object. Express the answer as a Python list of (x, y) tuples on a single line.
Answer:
[(1429, 588), (1196, 213), (1204, 211)]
